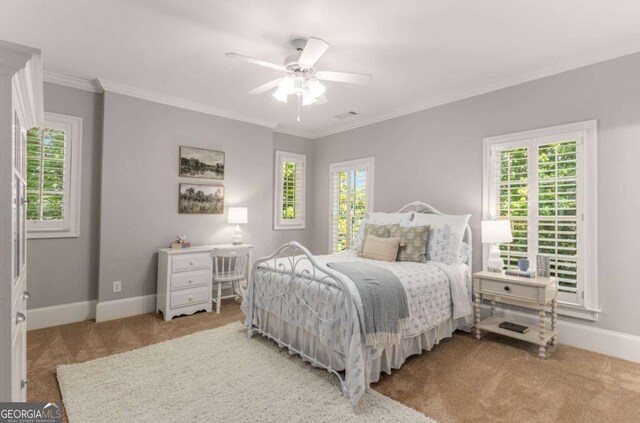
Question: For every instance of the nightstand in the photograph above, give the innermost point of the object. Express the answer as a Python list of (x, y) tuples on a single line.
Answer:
[(534, 293)]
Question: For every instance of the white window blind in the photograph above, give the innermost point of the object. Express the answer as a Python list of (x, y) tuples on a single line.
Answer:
[(351, 191), (53, 177), (544, 183), (290, 191)]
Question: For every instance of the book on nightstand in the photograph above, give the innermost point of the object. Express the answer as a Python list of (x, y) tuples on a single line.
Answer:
[(525, 274), (514, 327), (179, 245)]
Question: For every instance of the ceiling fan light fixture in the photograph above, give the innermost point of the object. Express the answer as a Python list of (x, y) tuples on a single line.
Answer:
[(280, 95), (316, 88), (308, 100), (287, 85)]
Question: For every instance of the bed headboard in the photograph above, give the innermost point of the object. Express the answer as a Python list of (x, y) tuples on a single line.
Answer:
[(420, 207)]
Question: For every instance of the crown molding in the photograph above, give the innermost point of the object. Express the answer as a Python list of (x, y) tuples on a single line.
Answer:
[(473, 92), (72, 82), (295, 132), (114, 87)]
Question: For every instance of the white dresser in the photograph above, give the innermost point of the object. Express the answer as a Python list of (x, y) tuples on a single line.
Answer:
[(184, 279)]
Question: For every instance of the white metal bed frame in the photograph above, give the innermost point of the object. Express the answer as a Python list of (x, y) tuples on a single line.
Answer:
[(294, 254)]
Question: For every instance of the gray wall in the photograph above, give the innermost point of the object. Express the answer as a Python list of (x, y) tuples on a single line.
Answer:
[(436, 156), (140, 187), (65, 270)]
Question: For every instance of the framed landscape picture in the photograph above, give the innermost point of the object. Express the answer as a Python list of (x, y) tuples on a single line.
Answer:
[(200, 199), (201, 163)]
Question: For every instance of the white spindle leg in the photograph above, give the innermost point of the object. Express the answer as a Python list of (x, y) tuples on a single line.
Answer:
[(477, 314), (554, 321), (541, 326)]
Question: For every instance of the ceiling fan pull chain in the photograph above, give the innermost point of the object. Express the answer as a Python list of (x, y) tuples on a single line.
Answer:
[(299, 100)]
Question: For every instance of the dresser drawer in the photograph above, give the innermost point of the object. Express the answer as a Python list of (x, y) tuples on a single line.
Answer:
[(193, 279), (187, 297), (184, 262), (507, 289)]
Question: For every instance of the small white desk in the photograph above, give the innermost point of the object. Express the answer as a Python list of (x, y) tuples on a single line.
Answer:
[(184, 278)]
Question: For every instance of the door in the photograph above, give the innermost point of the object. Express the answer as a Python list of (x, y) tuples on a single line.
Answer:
[(19, 294)]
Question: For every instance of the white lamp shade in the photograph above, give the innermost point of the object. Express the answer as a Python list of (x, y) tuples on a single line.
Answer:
[(496, 231), (237, 215)]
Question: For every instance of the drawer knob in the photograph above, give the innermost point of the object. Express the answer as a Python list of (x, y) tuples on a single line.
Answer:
[(191, 263), (190, 298), (506, 288), (20, 317), (190, 281)]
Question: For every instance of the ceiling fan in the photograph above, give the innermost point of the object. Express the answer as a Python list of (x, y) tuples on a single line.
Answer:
[(301, 79)]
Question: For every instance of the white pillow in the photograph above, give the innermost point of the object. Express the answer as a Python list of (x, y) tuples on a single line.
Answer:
[(381, 218), (445, 235)]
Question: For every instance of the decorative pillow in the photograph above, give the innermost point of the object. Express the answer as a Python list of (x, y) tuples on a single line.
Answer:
[(445, 235), (413, 244), (381, 231), (380, 218), (384, 249)]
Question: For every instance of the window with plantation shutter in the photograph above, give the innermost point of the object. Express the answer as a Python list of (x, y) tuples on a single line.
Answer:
[(544, 183), (53, 177), (351, 197), (290, 191)]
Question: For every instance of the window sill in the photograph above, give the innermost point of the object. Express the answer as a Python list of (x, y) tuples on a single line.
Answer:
[(52, 234), (578, 312), (288, 227)]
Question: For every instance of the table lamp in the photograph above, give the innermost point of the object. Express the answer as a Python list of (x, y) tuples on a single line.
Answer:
[(495, 232), (237, 216)]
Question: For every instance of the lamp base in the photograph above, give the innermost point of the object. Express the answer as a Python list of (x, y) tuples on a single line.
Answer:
[(495, 262), (237, 236)]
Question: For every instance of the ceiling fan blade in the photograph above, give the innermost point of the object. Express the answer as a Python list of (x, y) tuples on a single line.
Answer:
[(313, 51), (265, 87), (255, 61), (321, 100), (352, 78)]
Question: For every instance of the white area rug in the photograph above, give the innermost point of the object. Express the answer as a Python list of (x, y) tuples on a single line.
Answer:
[(215, 375)]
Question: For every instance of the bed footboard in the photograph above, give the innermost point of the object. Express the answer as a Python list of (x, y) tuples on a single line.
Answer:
[(293, 283)]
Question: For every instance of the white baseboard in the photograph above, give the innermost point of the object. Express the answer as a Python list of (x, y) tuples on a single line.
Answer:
[(603, 341), (44, 317), (115, 309)]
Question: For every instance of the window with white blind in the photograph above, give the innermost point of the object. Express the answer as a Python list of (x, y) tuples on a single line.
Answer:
[(351, 197), (544, 182), (290, 191), (53, 177)]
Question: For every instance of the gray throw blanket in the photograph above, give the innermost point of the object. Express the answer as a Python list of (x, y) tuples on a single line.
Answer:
[(384, 301)]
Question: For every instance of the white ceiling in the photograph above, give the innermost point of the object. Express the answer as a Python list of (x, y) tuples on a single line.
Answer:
[(421, 52)]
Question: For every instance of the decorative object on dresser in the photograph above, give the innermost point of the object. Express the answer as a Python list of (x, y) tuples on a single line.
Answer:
[(537, 293), (237, 216), (181, 242), (201, 199), (230, 267), (495, 232), (543, 264), (201, 163), (184, 279)]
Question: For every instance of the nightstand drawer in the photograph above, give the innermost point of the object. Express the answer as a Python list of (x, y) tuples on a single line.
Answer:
[(189, 279), (190, 262), (507, 289), (190, 297)]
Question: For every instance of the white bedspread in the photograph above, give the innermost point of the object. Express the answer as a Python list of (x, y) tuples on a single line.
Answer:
[(435, 292)]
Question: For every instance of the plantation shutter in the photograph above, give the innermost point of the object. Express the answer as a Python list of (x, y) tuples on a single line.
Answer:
[(558, 209), (47, 181), (290, 192), (350, 201), (536, 187)]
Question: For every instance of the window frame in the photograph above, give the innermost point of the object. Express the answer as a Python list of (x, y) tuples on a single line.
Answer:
[(280, 224), (587, 147), (369, 164), (69, 227)]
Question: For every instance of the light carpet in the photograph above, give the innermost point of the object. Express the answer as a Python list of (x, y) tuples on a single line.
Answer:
[(215, 375)]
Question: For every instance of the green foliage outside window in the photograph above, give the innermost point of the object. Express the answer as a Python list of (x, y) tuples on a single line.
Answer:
[(352, 206), (289, 182), (45, 174)]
